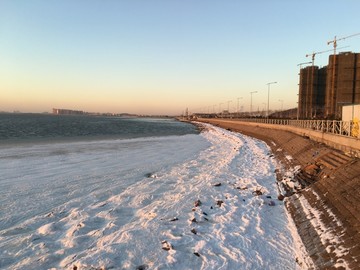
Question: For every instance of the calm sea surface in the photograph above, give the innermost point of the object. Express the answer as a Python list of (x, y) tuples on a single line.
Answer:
[(38, 127)]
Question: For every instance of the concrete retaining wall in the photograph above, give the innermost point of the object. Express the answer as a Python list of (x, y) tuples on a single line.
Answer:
[(348, 145)]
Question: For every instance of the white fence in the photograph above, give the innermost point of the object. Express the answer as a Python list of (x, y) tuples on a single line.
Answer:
[(341, 128)]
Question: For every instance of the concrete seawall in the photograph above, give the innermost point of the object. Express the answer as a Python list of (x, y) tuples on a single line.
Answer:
[(326, 211), (344, 143)]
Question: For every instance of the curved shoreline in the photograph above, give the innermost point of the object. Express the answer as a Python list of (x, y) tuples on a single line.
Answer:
[(325, 211)]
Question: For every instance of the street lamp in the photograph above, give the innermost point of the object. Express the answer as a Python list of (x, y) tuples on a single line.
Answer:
[(253, 92), (264, 110), (282, 103), (268, 109), (237, 108), (229, 101), (228, 108)]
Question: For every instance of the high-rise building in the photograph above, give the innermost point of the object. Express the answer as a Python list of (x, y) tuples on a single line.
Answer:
[(312, 92), (342, 83)]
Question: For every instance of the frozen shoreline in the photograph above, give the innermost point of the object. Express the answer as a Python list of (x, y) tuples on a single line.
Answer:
[(325, 211), (157, 221)]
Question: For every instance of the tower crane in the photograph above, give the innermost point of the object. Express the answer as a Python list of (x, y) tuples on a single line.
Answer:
[(338, 39), (305, 63), (315, 53), (332, 94)]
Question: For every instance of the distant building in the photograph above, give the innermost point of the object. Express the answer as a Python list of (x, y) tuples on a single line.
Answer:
[(342, 83), (312, 92), (324, 91), (67, 112)]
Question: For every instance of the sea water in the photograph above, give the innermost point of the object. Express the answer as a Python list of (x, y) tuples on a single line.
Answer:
[(114, 193)]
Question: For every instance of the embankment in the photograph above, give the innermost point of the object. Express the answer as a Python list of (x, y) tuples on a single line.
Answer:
[(326, 211)]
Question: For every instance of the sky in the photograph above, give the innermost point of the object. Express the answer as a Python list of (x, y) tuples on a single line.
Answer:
[(163, 56)]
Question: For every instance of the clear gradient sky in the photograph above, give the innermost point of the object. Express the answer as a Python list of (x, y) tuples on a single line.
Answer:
[(162, 56)]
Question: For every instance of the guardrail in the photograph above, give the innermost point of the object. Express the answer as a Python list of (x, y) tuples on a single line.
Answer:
[(341, 128)]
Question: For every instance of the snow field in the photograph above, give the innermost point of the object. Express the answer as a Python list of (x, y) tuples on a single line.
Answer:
[(199, 210)]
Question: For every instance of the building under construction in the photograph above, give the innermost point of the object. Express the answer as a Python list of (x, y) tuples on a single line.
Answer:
[(312, 92), (323, 91), (342, 83)]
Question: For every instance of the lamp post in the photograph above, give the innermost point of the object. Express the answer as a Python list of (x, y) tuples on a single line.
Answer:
[(282, 103), (268, 109), (251, 93), (263, 114), (237, 108), (229, 101)]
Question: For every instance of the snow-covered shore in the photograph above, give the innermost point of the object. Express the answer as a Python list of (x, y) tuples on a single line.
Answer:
[(205, 201)]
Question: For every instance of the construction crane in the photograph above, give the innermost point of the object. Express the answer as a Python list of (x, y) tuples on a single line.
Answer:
[(315, 53), (301, 64), (338, 39), (332, 93)]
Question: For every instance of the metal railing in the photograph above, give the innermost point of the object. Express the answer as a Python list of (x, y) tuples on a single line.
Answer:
[(341, 128)]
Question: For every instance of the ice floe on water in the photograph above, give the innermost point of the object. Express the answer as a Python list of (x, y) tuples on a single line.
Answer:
[(205, 201)]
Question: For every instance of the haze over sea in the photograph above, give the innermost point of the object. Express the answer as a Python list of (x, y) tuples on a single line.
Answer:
[(133, 193)]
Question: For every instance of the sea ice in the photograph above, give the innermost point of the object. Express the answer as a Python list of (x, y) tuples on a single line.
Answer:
[(91, 204)]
